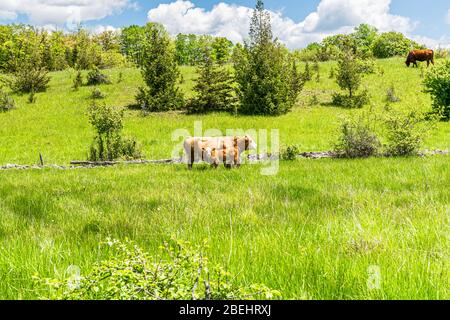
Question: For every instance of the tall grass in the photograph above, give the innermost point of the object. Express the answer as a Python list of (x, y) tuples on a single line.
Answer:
[(313, 231)]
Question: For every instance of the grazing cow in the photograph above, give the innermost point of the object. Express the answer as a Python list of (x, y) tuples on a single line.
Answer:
[(212, 150), (420, 55)]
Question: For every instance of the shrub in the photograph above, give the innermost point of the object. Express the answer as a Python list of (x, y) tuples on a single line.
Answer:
[(78, 81), (30, 78), (6, 102), (391, 96), (357, 138), (97, 94), (314, 101), (179, 273), (160, 72), (307, 73), (108, 144), (332, 73), (316, 68), (96, 77), (213, 87), (290, 153), (437, 83), (405, 132), (354, 102)]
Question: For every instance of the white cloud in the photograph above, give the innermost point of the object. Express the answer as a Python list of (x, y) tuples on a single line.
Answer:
[(101, 28), (232, 21), (448, 16), (69, 12), (441, 43)]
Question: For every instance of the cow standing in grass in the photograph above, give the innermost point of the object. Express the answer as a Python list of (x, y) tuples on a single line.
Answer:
[(420, 55), (214, 151)]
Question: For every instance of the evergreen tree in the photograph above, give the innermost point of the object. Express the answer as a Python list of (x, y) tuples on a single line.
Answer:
[(213, 87), (160, 72), (263, 69)]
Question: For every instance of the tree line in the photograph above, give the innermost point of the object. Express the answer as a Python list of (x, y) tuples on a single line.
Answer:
[(81, 49)]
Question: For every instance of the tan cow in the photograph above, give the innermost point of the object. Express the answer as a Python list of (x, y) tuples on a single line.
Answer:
[(211, 150)]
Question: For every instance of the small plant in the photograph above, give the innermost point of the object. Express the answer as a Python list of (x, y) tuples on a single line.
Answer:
[(28, 78), (120, 77), (316, 69), (6, 102), (357, 138), (290, 153), (437, 83), (354, 102), (108, 144), (96, 77), (78, 81), (97, 94), (332, 73), (181, 272), (391, 96), (405, 133), (313, 101), (307, 74)]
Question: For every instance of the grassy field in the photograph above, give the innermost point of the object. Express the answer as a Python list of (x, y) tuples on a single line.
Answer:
[(57, 124), (314, 231)]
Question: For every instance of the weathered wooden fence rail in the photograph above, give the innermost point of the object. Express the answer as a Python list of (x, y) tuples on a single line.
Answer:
[(251, 158)]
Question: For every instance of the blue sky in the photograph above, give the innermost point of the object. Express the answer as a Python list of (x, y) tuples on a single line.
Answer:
[(296, 22)]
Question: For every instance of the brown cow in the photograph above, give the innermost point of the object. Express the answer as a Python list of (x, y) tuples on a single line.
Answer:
[(420, 55)]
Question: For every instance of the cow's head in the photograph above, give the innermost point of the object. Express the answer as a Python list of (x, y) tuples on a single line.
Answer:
[(408, 63), (246, 143)]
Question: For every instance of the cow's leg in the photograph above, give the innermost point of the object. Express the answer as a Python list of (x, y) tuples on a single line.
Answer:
[(237, 158), (428, 63), (191, 157)]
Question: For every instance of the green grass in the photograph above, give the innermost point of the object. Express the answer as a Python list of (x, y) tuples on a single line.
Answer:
[(313, 231), (57, 125)]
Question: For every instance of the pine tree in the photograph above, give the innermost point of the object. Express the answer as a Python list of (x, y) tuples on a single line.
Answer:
[(214, 87), (160, 72), (264, 70)]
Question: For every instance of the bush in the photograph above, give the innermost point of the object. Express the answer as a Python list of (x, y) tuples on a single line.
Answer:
[(391, 96), (405, 133), (78, 81), (97, 94), (108, 144), (6, 102), (354, 102), (290, 153), (437, 83), (96, 77), (357, 139), (29, 78), (180, 273)]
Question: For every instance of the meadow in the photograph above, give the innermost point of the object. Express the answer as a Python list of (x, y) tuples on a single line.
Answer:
[(316, 230)]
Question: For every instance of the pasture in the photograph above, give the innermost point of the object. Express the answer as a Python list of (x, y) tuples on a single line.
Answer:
[(314, 231)]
